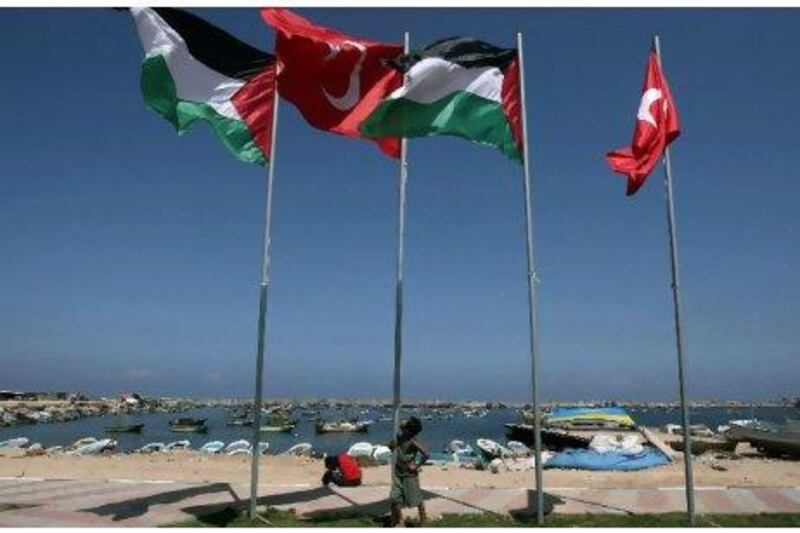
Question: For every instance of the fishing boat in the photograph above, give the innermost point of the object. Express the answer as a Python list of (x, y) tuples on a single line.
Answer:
[(587, 418), (278, 423), (132, 428), (188, 425), (343, 426), (239, 422), (277, 429), (770, 439)]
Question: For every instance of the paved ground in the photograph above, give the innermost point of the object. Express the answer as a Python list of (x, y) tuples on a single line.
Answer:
[(26, 502)]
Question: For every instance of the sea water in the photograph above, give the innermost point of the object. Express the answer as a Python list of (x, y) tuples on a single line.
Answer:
[(436, 433)]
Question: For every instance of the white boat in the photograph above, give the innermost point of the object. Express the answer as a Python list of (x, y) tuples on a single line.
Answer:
[(215, 446), (361, 449), (283, 428), (96, 447), (490, 448), (459, 446), (19, 442), (83, 442), (343, 427), (517, 449), (263, 447), (178, 445), (301, 449), (238, 447), (381, 453), (152, 447)]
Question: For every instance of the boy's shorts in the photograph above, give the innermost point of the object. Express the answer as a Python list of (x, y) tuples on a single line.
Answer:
[(406, 491)]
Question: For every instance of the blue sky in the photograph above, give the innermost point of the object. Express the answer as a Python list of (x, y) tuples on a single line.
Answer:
[(129, 256)]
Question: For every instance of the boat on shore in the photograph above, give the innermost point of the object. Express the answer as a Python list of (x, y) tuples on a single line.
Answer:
[(770, 439), (342, 426), (131, 428), (188, 425), (552, 439), (491, 449), (701, 445)]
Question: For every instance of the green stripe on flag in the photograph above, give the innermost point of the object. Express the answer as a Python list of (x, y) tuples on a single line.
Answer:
[(463, 114), (158, 89)]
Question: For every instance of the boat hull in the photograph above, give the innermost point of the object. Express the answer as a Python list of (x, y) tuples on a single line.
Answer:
[(702, 445), (188, 429), (135, 428), (553, 440), (276, 429), (773, 443), (332, 429)]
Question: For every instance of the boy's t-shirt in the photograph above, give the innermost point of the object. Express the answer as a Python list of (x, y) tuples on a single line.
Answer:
[(406, 454), (349, 467)]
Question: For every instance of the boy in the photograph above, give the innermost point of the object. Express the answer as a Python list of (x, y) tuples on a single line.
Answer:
[(411, 455), (341, 470)]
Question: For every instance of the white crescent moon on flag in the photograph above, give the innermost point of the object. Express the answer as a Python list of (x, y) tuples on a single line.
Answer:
[(650, 96), (353, 93)]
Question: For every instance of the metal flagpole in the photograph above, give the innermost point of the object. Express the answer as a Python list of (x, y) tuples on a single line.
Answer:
[(676, 298), (263, 296), (398, 295), (532, 282)]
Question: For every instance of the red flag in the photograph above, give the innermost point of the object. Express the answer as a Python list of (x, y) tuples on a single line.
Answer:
[(656, 126), (335, 80)]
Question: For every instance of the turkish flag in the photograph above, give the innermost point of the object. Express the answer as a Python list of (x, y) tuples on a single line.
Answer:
[(657, 125), (335, 80)]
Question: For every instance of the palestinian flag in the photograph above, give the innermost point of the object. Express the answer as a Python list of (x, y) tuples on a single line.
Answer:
[(457, 86), (193, 70)]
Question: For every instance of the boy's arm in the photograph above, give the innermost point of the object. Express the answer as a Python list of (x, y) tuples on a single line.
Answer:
[(423, 451)]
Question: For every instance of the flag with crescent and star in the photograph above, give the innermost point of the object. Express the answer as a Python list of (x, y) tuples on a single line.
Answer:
[(657, 125), (333, 79)]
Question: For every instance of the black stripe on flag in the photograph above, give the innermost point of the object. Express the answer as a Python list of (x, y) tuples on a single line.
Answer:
[(464, 51), (214, 47)]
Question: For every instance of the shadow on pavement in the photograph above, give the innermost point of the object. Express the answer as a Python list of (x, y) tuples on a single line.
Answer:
[(136, 507), (550, 501)]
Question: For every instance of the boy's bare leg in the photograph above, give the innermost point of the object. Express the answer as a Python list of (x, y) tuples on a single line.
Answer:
[(423, 515), (397, 515)]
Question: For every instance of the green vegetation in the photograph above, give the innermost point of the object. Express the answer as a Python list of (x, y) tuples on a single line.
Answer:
[(232, 518)]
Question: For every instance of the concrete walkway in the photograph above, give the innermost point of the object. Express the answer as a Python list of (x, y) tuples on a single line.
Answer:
[(26, 502)]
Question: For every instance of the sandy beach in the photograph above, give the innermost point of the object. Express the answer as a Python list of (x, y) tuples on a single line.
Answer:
[(286, 470)]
